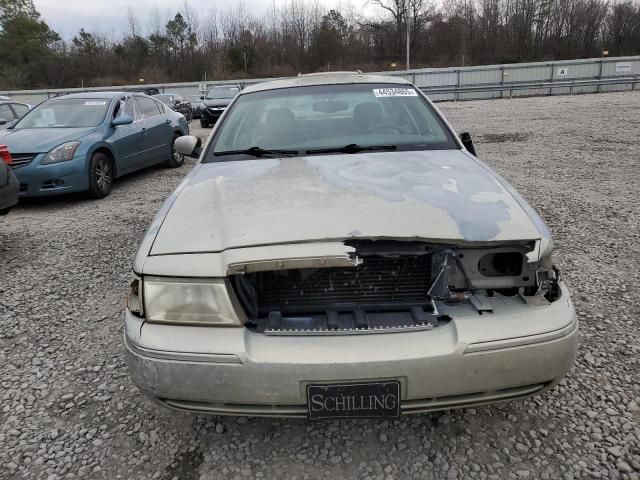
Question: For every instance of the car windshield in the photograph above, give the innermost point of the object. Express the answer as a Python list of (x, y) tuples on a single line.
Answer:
[(222, 92), (345, 118), (165, 98), (66, 112)]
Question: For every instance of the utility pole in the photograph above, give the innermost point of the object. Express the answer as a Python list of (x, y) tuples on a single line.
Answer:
[(408, 29)]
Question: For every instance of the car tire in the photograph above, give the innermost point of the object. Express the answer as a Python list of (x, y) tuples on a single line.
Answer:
[(101, 176), (204, 123), (177, 159)]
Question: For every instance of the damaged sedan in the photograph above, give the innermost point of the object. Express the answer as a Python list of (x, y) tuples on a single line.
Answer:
[(338, 251)]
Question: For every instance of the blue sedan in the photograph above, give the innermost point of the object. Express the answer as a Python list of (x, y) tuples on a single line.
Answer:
[(82, 142)]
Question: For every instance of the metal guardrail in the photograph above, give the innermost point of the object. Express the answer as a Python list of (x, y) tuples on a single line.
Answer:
[(515, 86), (455, 83)]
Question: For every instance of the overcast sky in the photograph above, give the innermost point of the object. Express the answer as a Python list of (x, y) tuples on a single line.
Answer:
[(108, 16)]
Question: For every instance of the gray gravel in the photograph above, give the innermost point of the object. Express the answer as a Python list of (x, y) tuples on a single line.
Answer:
[(68, 409)]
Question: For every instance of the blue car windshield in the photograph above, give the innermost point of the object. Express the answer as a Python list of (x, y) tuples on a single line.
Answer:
[(66, 113)]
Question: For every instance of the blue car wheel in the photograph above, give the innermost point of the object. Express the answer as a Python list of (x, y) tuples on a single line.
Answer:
[(100, 176)]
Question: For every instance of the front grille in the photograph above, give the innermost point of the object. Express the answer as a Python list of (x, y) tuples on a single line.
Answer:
[(383, 294), (21, 159), (378, 280)]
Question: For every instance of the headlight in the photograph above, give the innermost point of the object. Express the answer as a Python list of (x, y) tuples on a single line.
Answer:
[(182, 300), (61, 153)]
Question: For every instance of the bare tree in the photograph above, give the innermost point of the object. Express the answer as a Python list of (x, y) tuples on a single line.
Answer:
[(292, 36)]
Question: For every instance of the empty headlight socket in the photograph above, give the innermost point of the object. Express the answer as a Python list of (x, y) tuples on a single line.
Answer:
[(501, 264)]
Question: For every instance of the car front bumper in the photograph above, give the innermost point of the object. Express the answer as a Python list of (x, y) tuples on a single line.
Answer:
[(211, 116), (473, 360), (9, 192), (57, 178)]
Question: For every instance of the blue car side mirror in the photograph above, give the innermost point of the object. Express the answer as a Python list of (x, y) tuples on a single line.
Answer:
[(122, 120)]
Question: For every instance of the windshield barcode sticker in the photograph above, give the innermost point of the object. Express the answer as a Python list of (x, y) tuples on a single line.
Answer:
[(395, 92), (95, 102)]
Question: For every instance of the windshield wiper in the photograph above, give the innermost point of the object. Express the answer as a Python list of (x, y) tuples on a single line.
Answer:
[(353, 148), (256, 152)]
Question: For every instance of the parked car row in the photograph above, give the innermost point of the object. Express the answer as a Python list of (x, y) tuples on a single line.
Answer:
[(83, 142), (208, 108)]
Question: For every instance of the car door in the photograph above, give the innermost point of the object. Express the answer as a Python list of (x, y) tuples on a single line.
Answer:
[(127, 140), (156, 131)]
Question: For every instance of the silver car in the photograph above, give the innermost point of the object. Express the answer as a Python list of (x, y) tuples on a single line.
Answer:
[(338, 251)]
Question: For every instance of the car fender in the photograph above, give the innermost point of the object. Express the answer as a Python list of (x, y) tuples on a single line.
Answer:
[(179, 124), (101, 144)]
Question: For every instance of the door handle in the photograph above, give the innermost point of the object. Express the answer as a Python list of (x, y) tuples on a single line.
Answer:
[(167, 121), (144, 130)]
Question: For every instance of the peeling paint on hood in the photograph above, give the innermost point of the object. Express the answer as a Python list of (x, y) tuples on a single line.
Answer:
[(436, 195), (475, 201)]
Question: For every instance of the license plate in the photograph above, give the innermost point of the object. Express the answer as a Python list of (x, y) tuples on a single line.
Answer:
[(354, 400)]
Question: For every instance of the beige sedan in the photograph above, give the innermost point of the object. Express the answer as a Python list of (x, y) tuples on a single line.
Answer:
[(339, 252)]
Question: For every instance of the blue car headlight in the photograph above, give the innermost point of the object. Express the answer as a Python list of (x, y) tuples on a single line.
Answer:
[(61, 153)]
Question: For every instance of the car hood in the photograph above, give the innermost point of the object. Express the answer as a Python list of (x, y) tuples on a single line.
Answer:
[(443, 195), (41, 140), (217, 102)]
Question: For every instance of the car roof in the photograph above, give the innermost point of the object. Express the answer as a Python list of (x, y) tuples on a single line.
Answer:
[(328, 78), (92, 95)]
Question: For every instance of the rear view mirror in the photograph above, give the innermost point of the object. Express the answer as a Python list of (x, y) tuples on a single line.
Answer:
[(188, 145), (465, 138), (122, 120), (330, 106)]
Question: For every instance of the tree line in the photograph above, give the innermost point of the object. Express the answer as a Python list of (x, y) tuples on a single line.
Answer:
[(302, 36)]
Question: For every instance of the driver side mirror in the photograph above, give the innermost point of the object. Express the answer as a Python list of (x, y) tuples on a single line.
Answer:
[(465, 138), (122, 120), (188, 145)]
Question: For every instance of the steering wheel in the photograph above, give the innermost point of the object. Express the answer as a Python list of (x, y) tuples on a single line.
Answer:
[(384, 126)]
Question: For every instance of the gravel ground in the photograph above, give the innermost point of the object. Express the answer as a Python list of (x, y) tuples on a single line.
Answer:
[(68, 409)]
